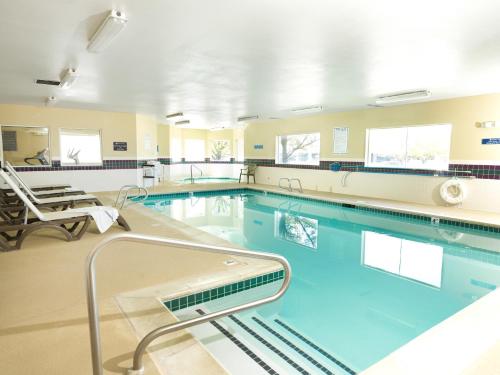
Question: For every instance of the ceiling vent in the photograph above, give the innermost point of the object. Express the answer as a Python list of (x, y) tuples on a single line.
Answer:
[(183, 122), (47, 82)]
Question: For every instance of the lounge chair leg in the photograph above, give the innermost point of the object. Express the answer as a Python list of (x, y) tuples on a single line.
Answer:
[(27, 232), (5, 246), (83, 229), (123, 223)]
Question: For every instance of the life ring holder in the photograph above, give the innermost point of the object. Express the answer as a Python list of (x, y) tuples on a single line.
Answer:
[(453, 191)]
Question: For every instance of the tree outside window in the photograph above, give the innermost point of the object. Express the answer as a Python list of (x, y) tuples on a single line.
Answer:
[(221, 150), (298, 149)]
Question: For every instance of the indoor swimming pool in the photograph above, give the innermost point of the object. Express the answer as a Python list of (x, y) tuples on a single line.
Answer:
[(364, 282)]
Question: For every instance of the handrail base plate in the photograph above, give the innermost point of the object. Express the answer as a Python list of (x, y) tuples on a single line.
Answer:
[(135, 372)]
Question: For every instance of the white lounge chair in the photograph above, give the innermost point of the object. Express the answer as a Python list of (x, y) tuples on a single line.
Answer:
[(67, 222)]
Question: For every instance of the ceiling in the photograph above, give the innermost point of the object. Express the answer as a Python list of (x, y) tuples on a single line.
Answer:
[(220, 59)]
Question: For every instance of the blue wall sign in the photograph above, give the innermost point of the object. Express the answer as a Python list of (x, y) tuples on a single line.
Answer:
[(258, 147), (490, 141)]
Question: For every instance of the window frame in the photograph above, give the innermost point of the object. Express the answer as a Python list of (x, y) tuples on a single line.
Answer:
[(407, 127), (81, 164), (278, 146), (49, 145)]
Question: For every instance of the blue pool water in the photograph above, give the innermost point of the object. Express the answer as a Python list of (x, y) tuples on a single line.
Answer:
[(363, 283)]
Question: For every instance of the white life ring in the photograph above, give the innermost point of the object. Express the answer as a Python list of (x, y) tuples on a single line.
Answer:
[(453, 191)]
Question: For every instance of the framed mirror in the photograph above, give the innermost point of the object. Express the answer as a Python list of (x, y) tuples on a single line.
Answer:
[(24, 146)]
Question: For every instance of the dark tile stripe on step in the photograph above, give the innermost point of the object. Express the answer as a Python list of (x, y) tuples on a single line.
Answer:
[(315, 347), (268, 345), (240, 345), (293, 346)]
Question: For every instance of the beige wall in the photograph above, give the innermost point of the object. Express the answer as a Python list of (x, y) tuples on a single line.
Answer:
[(462, 113), (114, 126), (147, 135), (163, 138)]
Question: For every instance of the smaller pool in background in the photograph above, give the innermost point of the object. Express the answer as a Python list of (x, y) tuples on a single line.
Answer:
[(208, 180)]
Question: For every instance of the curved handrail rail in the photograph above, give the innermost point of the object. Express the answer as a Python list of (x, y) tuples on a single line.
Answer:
[(130, 187), (93, 307)]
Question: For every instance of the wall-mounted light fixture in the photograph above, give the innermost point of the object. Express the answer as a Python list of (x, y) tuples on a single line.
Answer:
[(487, 124)]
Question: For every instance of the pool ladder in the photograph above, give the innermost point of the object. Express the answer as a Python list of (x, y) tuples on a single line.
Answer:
[(192, 178), (289, 187), (122, 198), (93, 306)]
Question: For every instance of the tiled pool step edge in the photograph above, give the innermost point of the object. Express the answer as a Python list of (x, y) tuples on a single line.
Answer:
[(426, 218), (222, 291)]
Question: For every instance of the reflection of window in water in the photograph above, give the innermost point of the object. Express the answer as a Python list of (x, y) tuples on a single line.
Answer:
[(298, 229), (221, 206), (418, 261), (194, 207)]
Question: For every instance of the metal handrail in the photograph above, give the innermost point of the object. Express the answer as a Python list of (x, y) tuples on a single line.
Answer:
[(93, 307), (289, 188), (201, 172), (130, 187), (300, 184)]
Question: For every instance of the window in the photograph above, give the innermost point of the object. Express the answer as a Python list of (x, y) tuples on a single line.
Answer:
[(194, 150), (25, 145), (80, 146), (176, 151), (413, 260), (415, 147), (298, 149), (221, 150)]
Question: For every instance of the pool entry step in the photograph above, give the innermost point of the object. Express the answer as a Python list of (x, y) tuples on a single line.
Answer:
[(274, 346)]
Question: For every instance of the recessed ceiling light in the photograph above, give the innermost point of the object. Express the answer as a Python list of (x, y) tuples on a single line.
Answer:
[(403, 96), (308, 109), (107, 31), (68, 79), (172, 115), (248, 118), (183, 122)]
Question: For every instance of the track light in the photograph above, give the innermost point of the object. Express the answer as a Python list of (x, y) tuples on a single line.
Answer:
[(403, 96), (248, 118), (68, 79), (107, 31), (173, 115), (309, 109)]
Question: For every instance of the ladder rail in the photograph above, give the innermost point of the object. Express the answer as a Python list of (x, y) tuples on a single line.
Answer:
[(289, 187), (127, 189), (300, 184), (93, 306)]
